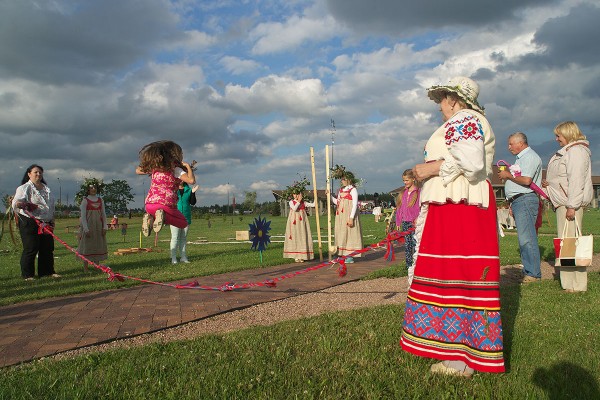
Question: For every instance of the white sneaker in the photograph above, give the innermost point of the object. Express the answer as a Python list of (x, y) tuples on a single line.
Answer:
[(184, 260), (174, 261)]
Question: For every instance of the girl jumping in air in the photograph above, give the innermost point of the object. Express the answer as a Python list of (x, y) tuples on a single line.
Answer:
[(163, 161)]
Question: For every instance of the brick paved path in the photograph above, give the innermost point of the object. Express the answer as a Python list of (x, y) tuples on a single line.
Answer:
[(41, 328)]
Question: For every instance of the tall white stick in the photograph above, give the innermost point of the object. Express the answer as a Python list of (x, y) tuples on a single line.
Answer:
[(314, 180), (328, 201)]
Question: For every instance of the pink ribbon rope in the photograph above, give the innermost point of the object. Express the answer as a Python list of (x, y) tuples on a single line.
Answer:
[(229, 286)]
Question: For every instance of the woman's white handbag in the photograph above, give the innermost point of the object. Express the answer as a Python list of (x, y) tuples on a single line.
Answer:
[(574, 251)]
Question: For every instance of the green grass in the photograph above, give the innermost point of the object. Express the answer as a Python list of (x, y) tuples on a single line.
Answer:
[(206, 259), (509, 245), (551, 341)]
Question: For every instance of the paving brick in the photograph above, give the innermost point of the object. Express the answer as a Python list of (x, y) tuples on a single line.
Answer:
[(41, 328)]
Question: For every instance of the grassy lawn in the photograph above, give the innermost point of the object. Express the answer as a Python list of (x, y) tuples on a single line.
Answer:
[(550, 337), (509, 245), (206, 259)]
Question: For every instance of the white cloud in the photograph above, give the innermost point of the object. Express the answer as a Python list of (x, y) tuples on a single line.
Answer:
[(238, 66), (275, 37), (196, 40), (278, 94), (220, 190), (248, 108), (264, 185)]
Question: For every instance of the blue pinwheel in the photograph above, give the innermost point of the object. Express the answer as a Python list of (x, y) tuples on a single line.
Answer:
[(259, 231)]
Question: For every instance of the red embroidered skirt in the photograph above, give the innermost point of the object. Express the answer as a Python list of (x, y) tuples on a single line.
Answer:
[(453, 305)]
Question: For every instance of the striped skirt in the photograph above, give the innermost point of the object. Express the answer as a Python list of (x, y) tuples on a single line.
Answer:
[(453, 305)]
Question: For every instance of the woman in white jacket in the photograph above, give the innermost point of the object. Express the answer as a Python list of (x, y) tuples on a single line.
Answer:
[(569, 185)]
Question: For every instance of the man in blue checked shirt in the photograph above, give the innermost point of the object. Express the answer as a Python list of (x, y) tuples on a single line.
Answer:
[(524, 202)]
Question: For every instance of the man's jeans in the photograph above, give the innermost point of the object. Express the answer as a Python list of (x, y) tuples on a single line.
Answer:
[(525, 211)]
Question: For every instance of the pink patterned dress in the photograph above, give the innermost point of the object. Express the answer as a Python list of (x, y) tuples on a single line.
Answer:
[(163, 196), (163, 189)]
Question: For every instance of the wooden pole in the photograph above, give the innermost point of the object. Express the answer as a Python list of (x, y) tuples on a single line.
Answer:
[(314, 180), (327, 175)]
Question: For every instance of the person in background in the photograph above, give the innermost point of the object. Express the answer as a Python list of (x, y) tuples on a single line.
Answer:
[(568, 183), (377, 213), (524, 203), (34, 200), (163, 161), (348, 231), (298, 242), (407, 211), (114, 222), (377, 207), (93, 226), (186, 199), (453, 305)]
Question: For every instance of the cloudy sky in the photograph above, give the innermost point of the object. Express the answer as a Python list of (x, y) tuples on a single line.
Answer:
[(247, 87)]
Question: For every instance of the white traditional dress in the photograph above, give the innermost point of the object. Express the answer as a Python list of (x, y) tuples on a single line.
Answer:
[(347, 239), (453, 304), (298, 242), (93, 221)]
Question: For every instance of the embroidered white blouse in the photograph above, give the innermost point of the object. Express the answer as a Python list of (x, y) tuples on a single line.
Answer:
[(466, 144), (349, 192)]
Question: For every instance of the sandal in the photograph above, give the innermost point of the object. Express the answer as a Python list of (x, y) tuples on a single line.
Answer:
[(159, 220)]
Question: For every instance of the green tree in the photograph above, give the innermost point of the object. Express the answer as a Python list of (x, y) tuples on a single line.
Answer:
[(274, 208), (117, 194), (249, 201)]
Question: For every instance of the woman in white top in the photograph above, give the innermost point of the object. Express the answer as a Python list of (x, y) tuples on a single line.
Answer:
[(569, 185), (453, 305), (348, 231), (35, 198)]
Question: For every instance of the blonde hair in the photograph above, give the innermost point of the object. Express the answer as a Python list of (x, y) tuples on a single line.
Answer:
[(570, 131), (408, 173)]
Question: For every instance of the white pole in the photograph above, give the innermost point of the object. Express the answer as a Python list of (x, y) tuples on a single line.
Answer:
[(314, 180), (328, 201)]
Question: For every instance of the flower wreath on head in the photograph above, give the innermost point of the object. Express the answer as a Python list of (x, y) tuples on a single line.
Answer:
[(298, 187), (339, 172), (83, 190)]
